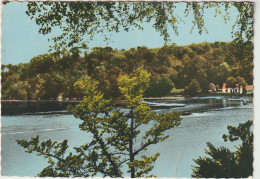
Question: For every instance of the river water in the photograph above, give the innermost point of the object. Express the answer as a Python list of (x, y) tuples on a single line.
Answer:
[(207, 121)]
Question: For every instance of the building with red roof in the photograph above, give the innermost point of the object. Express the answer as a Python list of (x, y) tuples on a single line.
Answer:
[(225, 89), (249, 88)]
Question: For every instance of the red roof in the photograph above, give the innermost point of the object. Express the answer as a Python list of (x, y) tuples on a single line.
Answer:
[(224, 86), (249, 87)]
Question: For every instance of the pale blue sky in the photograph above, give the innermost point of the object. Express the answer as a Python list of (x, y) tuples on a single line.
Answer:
[(21, 40)]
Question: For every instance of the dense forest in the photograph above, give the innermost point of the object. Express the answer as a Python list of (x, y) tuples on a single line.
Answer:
[(173, 68)]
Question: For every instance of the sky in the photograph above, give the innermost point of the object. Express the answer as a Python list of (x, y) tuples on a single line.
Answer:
[(21, 40)]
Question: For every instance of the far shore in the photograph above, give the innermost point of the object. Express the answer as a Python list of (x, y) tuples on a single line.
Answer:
[(34, 100), (165, 97), (32, 107), (173, 97)]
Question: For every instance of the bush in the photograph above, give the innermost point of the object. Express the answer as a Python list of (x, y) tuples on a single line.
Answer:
[(159, 86), (176, 91), (193, 88)]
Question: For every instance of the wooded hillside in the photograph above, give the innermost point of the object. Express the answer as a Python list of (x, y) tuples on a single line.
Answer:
[(172, 67)]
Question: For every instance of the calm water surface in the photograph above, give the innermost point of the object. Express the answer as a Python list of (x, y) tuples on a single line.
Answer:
[(208, 122)]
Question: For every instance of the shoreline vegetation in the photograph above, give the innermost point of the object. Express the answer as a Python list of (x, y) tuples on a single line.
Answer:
[(145, 98), (175, 70)]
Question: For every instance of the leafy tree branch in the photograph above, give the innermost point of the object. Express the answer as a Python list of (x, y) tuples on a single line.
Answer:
[(115, 134), (81, 21)]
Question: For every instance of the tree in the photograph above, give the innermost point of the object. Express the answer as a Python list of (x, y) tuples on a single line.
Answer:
[(193, 88), (241, 82), (236, 82), (224, 163), (231, 82), (222, 72), (41, 64), (243, 52), (179, 63), (117, 140), (16, 91), (159, 86), (80, 21)]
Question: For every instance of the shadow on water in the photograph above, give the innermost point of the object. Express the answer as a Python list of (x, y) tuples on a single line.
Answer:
[(35, 107), (185, 106)]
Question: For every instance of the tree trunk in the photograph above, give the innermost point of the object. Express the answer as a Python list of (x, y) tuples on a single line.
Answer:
[(131, 153)]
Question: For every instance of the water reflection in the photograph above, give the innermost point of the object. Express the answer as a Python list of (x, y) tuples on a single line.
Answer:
[(196, 104), (224, 103)]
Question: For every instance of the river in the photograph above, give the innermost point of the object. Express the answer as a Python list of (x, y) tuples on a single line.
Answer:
[(207, 121)]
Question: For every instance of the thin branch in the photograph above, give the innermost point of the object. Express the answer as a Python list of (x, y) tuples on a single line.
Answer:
[(144, 146)]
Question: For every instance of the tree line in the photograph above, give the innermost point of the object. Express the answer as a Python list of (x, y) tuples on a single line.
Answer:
[(173, 68)]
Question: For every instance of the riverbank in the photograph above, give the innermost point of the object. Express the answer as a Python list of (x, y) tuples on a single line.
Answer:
[(165, 98), (19, 107), (229, 94), (181, 96), (51, 107), (46, 107)]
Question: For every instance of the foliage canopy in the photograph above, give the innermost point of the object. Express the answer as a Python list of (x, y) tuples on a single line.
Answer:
[(193, 89), (48, 75), (80, 21)]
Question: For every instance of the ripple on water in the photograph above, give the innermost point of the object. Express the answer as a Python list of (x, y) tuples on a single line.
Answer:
[(186, 142)]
